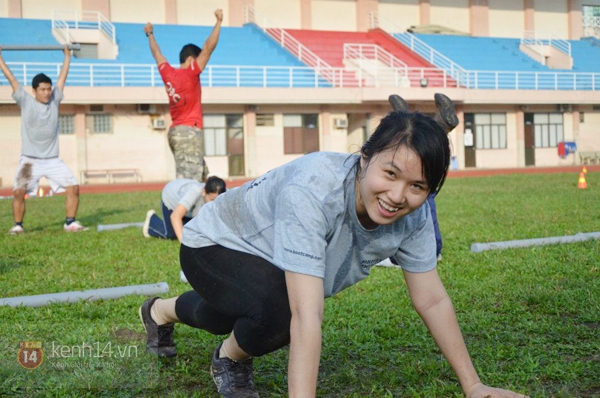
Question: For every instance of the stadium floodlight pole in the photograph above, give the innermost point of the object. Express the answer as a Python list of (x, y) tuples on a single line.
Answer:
[(32, 47), (85, 295)]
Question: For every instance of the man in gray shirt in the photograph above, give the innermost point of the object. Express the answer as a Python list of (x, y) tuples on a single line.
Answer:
[(39, 145)]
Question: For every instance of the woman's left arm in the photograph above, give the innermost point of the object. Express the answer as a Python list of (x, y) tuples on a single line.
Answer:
[(432, 303)]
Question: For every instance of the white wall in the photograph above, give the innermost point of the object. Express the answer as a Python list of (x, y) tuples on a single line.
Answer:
[(42, 9), (501, 11), (402, 14), (452, 14), (334, 15), (200, 13), (279, 13), (134, 11), (551, 16)]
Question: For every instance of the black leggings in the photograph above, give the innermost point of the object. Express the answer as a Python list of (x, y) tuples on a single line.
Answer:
[(235, 291)]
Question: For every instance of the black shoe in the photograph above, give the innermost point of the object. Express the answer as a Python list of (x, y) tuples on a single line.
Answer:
[(232, 378), (159, 338), (446, 114), (398, 103)]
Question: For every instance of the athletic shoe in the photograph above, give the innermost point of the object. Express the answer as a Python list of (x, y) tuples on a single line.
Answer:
[(159, 338), (16, 230), (146, 226), (75, 226), (398, 103), (446, 114), (232, 378)]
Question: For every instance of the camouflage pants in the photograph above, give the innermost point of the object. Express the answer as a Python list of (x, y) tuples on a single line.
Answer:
[(187, 145)]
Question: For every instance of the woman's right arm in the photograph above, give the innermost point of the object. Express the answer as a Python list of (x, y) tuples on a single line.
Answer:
[(307, 301)]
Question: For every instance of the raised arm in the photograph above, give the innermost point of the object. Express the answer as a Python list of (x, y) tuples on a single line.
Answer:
[(14, 83), (306, 304), (64, 71), (430, 299), (154, 48), (211, 42)]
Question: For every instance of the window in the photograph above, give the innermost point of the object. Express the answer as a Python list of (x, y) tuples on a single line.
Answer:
[(100, 123), (300, 133), (223, 134), (548, 128), (66, 124), (490, 130), (591, 20)]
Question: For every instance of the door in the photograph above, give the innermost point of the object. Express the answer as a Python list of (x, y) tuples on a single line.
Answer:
[(469, 140), (529, 140)]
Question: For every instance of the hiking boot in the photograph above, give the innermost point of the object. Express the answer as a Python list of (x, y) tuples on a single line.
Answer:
[(159, 338), (75, 226), (398, 103), (232, 378), (16, 230), (446, 114), (146, 226)]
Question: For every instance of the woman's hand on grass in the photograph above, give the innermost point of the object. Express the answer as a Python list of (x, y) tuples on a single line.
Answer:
[(480, 390)]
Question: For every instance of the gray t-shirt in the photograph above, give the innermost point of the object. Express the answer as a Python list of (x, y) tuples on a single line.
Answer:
[(39, 124), (302, 218), (185, 192)]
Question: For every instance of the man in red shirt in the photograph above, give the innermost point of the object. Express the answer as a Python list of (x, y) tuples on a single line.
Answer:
[(186, 138)]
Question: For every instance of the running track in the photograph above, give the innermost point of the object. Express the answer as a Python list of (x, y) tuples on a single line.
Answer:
[(158, 186)]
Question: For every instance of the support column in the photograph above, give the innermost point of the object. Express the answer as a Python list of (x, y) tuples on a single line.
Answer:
[(575, 17), (520, 125), (102, 6), (424, 12), (171, 12), (15, 10), (325, 130), (250, 141), (529, 11), (305, 14), (364, 8), (237, 12), (81, 140), (479, 17)]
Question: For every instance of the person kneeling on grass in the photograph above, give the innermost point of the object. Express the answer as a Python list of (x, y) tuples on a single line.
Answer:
[(262, 257), (181, 201)]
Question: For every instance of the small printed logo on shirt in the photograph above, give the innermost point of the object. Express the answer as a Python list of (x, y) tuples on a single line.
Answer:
[(366, 264)]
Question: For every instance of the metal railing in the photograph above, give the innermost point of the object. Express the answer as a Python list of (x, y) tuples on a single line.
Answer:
[(146, 75), (293, 46), (418, 46), (63, 21), (538, 42)]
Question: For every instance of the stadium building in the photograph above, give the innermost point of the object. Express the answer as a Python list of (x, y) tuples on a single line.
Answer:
[(290, 77)]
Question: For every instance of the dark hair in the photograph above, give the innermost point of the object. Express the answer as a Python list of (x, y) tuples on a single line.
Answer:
[(189, 50), (419, 133), (40, 78), (214, 185)]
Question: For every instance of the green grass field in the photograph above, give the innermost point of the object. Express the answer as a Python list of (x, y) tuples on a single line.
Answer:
[(530, 316)]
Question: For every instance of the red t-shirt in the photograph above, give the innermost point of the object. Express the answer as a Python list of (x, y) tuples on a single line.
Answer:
[(185, 93)]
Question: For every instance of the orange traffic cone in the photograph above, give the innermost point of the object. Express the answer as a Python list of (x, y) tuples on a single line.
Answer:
[(584, 170), (581, 184)]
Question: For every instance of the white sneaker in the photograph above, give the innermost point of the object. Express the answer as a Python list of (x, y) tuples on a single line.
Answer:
[(16, 230), (75, 226), (146, 226)]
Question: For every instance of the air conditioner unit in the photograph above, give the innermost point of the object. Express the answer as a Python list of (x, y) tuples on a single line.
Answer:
[(341, 123), (159, 124), (145, 109)]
